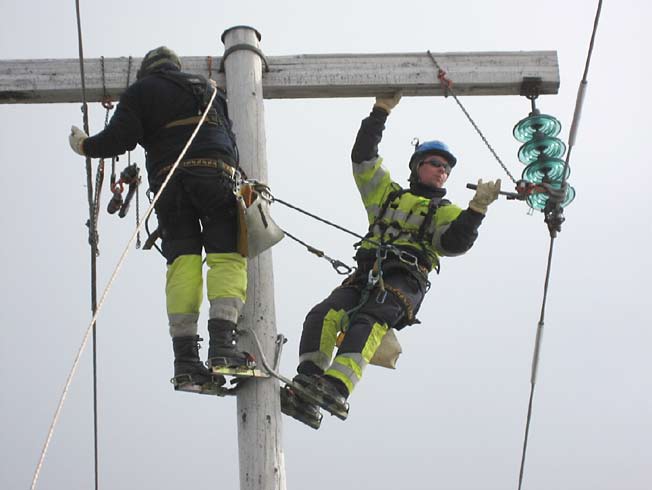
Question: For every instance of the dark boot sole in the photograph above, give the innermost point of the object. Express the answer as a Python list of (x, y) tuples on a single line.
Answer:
[(293, 406), (324, 400), (187, 384)]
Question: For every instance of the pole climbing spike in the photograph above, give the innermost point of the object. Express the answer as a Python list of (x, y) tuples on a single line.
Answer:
[(250, 370), (315, 390), (185, 383)]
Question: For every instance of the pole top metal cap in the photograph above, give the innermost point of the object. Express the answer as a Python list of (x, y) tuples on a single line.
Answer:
[(240, 27)]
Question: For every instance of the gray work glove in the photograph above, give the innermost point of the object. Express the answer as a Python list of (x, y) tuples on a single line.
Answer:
[(485, 194), (388, 103), (76, 140)]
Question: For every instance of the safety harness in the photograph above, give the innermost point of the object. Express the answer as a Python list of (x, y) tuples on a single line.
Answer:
[(422, 234), (201, 90), (389, 257)]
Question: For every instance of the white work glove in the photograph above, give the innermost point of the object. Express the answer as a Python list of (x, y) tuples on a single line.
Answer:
[(485, 194), (388, 103), (76, 140)]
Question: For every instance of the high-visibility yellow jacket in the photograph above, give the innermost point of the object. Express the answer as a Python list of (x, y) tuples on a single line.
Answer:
[(400, 221), (417, 220)]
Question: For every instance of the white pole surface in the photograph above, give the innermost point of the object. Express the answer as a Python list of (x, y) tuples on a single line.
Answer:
[(259, 413)]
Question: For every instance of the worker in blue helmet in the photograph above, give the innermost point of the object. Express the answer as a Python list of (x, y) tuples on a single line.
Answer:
[(410, 229)]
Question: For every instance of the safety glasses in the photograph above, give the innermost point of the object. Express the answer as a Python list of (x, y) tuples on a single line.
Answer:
[(437, 163)]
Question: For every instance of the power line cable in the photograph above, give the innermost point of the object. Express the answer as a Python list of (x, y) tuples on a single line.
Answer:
[(538, 339)]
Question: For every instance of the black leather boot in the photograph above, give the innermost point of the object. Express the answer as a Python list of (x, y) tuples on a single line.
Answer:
[(189, 371), (222, 347)]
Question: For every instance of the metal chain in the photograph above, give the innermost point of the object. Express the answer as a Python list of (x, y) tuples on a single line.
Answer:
[(448, 87), (129, 70), (138, 241)]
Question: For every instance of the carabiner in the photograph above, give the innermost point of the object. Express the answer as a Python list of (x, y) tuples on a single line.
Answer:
[(381, 296), (373, 279), (408, 258), (341, 268)]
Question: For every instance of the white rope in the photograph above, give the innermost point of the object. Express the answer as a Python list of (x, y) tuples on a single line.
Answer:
[(75, 365)]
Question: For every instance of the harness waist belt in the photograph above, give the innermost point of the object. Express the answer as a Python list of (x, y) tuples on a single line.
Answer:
[(200, 162), (392, 256), (187, 121)]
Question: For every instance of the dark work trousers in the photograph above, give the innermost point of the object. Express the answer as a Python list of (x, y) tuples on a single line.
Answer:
[(392, 312), (197, 210)]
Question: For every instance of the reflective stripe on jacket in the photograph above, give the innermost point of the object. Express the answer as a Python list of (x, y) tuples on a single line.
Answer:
[(404, 215)]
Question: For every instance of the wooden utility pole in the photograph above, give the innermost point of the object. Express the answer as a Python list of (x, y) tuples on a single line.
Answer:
[(249, 77), (259, 411)]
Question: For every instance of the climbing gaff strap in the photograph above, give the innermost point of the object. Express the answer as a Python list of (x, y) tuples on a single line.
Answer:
[(257, 231)]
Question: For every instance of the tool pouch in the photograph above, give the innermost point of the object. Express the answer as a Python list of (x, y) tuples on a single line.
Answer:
[(388, 351), (257, 231)]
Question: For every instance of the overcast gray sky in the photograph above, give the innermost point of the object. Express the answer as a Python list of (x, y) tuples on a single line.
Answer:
[(452, 416)]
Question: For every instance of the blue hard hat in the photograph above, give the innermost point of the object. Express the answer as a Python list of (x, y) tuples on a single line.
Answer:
[(433, 147)]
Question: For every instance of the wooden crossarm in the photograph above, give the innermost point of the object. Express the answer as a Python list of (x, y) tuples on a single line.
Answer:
[(299, 76)]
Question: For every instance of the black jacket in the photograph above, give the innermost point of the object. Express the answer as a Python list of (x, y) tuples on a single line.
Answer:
[(151, 103)]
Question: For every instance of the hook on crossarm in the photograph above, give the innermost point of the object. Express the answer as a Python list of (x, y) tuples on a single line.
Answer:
[(531, 89)]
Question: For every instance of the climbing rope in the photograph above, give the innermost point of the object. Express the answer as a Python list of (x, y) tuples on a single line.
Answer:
[(448, 90), (537, 343), (107, 288)]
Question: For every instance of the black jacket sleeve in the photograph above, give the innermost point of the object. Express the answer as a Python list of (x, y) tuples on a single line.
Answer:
[(369, 136), (462, 232), (123, 133)]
